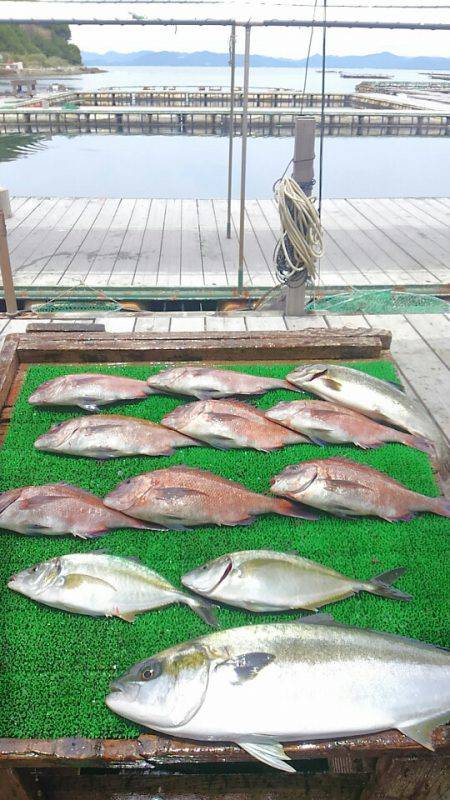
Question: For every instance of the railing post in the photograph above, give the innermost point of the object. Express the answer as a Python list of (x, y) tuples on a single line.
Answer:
[(231, 127), (244, 158), (5, 265)]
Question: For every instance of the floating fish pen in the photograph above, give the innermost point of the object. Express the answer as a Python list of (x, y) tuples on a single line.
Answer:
[(55, 721), (198, 122), (206, 98)]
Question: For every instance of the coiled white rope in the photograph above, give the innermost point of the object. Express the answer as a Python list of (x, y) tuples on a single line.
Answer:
[(301, 242)]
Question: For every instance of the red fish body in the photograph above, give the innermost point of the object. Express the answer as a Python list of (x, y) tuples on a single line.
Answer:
[(230, 424), (346, 489), (182, 496), (89, 390), (206, 383)]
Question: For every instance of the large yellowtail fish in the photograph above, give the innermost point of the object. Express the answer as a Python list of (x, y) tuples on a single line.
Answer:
[(262, 685)]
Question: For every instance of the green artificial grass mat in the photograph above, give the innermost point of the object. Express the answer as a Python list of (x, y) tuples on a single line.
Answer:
[(56, 667)]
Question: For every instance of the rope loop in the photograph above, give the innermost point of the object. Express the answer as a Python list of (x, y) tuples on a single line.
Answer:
[(301, 241)]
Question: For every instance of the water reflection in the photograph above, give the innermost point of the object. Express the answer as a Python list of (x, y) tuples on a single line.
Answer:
[(14, 145)]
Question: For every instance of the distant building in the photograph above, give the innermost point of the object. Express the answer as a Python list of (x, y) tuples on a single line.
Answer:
[(13, 66)]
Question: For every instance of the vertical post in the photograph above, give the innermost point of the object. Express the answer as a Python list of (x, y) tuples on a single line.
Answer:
[(5, 265), (303, 173), (244, 158), (231, 126)]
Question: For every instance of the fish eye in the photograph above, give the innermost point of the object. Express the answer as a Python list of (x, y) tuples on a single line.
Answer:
[(150, 672)]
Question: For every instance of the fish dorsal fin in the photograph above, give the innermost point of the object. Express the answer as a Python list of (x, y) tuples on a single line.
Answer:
[(396, 386), (421, 732), (269, 752)]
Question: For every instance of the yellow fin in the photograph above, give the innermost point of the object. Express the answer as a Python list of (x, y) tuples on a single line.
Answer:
[(128, 616), (76, 581), (421, 732)]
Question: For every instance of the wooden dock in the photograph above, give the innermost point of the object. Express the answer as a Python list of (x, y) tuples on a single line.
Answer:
[(166, 248)]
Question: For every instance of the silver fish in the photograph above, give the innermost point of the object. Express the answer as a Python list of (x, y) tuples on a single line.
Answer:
[(88, 390), (110, 436), (102, 586), (261, 685), (206, 383), (380, 400), (59, 508), (267, 581), (346, 488)]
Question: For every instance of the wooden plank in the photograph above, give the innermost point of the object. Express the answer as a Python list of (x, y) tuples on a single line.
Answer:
[(229, 247), (170, 259), (420, 365), (65, 253), (222, 323), (155, 750), (305, 323), (117, 324), (214, 272), (158, 322), (23, 213), (254, 786), (9, 364), (264, 235), (24, 251), (191, 323), (146, 273), (104, 261), (435, 331), (198, 346), (364, 270), (65, 327), (258, 263), (191, 267), (262, 322), (125, 265), (346, 321), (409, 779), (82, 263)]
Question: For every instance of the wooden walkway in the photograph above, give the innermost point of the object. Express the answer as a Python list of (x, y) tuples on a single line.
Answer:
[(420, 342), (159, 246)]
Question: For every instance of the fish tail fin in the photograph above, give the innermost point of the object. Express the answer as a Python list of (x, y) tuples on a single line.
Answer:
[(289, 508), (290, 386), (437, 505), (382, 585), (206, 611), (419, 443)]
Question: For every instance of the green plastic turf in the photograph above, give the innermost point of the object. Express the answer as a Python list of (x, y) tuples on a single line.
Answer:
[(56, 667)]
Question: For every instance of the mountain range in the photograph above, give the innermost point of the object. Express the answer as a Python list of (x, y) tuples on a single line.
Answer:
[(204, 58)]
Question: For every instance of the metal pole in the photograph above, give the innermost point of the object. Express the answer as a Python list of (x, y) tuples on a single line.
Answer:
[(303, 173), (231, 130), (244, 157), (5, 265)]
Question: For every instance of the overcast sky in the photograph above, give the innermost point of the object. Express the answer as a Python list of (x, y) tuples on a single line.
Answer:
[(291, 43)]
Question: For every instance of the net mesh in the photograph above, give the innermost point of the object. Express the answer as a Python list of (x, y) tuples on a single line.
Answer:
[(380, 301)]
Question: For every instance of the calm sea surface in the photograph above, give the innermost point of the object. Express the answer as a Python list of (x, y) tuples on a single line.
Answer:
[(182, 166)]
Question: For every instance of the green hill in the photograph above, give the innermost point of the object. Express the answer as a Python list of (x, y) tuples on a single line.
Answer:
[(38, 45)]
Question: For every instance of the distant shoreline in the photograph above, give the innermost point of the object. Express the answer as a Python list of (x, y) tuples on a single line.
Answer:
[(50, 72)]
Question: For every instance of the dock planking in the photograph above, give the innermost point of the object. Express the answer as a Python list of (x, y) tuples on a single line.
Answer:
[(182, 244)]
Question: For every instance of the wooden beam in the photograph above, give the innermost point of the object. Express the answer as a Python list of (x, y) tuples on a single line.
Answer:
[(307, 344), (5, 266), (18, 785), (409, 779), (9, 364)]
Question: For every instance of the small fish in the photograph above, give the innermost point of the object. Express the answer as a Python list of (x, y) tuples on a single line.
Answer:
[(326, 423), (348, 489), (206, 383), (382, 401), (101, 585), (183, 496), (267, 581), (110, 436), (262, 685), (59, 508), (227, 424), (88, 390)]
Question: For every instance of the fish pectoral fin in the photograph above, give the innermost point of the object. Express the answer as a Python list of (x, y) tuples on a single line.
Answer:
[(421, 732), (333, 483), (248, 665), (332, 383), (177, 493), (220, 442), (270, 752), (88, 404), (78, 580), (127, 616)]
